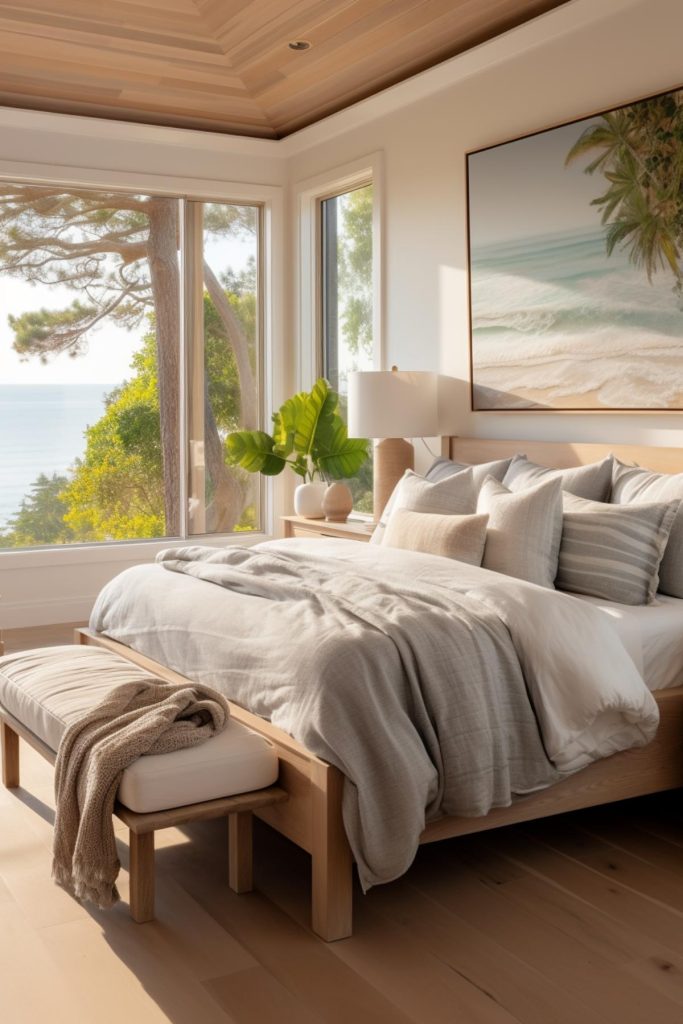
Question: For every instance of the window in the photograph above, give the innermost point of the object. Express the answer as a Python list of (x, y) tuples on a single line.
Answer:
[(347, 302), (94, 355)]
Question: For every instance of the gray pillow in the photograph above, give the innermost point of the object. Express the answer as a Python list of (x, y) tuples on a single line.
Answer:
[(633, 485), (613, 551), (455, 495), (459, 537), (443, 467), (524, 530), (592, 482)]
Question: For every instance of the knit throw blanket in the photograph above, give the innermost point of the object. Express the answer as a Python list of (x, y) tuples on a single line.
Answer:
[(146, 716)]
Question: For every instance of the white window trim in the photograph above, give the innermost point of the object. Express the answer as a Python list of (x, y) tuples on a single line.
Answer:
[(270, 197), (308, 196)]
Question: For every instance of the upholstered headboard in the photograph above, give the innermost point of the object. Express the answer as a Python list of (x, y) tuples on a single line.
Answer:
[(561, 454)]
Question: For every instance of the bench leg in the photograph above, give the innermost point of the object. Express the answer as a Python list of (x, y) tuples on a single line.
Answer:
[(142, 876), (10, 756), (240, 852)]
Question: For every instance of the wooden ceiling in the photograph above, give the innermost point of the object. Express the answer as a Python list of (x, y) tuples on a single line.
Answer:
[(225, 65)]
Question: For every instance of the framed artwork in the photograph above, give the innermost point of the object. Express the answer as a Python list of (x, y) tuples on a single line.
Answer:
[(576, 264)]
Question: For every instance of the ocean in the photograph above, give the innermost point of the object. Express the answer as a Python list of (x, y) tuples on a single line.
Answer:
[(42, 431), (555, 316)]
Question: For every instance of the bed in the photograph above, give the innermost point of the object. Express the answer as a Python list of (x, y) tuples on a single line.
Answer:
[(312, 817)]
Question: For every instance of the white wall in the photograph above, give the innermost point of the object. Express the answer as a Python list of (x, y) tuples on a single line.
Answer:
[(589, 55)]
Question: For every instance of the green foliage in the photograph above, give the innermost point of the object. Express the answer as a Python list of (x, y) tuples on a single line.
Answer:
[(41, 516), (253, 451), (303, 419), (355, 269), (309, 427), (40, 329), (640, 154), (117, 489), (94, 243)]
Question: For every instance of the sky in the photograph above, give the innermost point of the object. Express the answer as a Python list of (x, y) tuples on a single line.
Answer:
[(110, 348), (106, 361), (522, 188)]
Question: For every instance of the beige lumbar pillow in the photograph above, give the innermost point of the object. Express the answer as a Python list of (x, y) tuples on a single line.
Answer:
[(459, 537), (524, 530)]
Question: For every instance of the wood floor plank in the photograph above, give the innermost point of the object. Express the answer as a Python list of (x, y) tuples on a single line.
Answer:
[(564, 959), (613, 862), (254, 996), (107, 953), (478, 958), (307, 968), (618, 830), (559, 908), (420, 983), (32, 988), (631, 910)]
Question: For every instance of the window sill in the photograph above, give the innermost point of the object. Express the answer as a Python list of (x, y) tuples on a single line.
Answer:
[(116, 551)]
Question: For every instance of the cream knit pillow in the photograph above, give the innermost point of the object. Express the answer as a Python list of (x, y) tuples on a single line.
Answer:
[(459, 537)]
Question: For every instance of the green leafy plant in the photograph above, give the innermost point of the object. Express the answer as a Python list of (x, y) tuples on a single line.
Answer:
[(308, 435)]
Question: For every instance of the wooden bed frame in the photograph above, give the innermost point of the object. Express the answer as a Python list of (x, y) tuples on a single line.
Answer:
[(312, 817)]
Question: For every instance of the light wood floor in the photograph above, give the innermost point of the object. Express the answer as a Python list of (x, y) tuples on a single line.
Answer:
[(575, 920)]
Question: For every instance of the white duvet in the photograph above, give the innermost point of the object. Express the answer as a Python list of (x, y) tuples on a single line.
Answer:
[(587, 691)]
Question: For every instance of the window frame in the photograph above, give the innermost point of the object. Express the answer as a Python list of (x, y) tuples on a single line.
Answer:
[(311, 195), (269, 199)]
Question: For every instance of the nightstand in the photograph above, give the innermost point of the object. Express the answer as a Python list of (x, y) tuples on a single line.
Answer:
[(355, 529)]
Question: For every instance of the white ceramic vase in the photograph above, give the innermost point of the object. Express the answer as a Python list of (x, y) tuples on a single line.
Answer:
[(308, 500)]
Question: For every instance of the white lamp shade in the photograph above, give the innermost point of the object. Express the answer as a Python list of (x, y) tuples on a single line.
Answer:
[(393, 403)]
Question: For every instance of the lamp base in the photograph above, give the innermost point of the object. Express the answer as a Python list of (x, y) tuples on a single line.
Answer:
[(393, 456)]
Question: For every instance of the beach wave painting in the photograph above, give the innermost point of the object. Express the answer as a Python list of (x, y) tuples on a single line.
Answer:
[(575, 282)]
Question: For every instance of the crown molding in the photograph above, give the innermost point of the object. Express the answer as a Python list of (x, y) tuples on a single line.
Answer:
[(94, 128)]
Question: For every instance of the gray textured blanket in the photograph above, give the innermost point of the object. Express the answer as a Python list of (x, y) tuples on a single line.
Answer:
[(411, 673), (417, 697)]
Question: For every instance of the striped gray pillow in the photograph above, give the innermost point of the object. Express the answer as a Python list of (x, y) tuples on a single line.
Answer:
[(632, 485), (613, 551), (443, 467), (592, 481)]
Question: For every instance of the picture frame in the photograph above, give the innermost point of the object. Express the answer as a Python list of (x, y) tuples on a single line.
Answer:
[(575, 258)]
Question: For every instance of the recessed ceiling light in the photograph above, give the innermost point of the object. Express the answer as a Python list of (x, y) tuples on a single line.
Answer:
[(299, 44)]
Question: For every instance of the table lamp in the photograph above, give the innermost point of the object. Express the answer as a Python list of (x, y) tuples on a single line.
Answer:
[(390, 406)]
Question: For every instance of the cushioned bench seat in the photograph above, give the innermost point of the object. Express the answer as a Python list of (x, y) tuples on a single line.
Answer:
[(50, 687), (230, 775)]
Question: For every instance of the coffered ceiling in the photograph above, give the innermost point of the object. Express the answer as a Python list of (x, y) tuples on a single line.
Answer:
[(226, 65)]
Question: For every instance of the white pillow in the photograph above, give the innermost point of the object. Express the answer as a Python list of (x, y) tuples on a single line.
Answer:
[(524, 530), (455, 495)]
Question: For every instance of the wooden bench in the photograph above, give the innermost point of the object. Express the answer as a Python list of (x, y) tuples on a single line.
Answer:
[(238, 810)]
